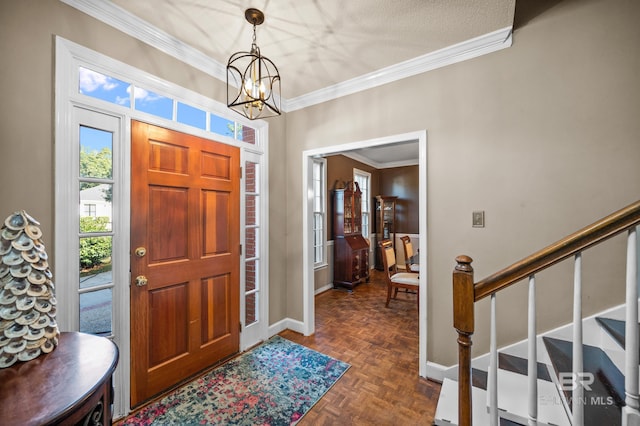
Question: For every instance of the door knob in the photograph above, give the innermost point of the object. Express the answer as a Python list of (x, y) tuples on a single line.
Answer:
[(141, 281), (141, 251)]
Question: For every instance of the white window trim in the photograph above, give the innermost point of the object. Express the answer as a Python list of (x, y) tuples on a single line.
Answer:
[(324, 263), (308, 326), (257, 331), (69, 56), (359, 172)]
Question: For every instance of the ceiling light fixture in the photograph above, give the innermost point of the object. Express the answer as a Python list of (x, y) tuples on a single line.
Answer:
[(253, 81)]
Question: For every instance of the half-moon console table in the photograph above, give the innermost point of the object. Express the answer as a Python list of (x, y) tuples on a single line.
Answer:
[(69, 386)]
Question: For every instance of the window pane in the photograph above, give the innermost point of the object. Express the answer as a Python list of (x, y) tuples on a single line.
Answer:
[(251, 285), (317, 221), (252, 309), (96, 159), (317, 237), (100, 86), (251, 273), (95, 261), (251, 177), (96, 211), (251, 243), (192, 116), (95, 312), (153, 103), (222, 126), (365, 225), (251, 208), (246, 134), (318, 231), (251, 187)]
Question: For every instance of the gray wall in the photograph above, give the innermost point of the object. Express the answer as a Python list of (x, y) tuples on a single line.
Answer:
[(544, 136)]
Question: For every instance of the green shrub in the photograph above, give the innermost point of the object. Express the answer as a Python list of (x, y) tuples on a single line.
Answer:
[(94, 250)]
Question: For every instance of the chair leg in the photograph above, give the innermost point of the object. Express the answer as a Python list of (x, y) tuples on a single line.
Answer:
[(388, 296)]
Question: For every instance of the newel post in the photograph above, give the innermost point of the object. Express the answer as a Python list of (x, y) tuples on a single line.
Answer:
[(463, 322)]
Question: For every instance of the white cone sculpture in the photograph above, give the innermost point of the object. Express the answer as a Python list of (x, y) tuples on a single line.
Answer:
[(27, 303)]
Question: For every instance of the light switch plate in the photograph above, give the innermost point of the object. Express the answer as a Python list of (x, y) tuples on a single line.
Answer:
[(478, 219)]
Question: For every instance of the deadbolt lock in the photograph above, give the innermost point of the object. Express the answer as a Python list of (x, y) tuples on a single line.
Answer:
[(141, 281), (141, 251)]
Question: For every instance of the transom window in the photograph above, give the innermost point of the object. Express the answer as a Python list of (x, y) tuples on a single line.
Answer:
[(104, 87)]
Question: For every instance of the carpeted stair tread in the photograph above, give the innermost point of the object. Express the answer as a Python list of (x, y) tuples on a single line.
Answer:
[(479, 378), (616, 328), (519, 365), (604, 399), (507, 422)]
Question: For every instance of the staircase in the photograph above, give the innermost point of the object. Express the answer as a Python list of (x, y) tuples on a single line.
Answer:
[(603, 355), (570, 376)]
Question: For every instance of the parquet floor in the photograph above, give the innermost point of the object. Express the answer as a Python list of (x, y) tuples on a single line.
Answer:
[(382, 387)]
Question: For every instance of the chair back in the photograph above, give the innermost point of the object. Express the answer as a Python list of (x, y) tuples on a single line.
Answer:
[(408, 253), (388, 256), (408, 247)]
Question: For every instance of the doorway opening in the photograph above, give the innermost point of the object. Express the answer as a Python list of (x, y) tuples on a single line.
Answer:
[(308, 259)]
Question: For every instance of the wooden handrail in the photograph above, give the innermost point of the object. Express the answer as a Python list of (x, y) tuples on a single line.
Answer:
[(591, 235), (466, 292)]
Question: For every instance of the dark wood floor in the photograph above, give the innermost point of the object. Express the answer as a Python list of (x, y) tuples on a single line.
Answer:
[(382, 387)]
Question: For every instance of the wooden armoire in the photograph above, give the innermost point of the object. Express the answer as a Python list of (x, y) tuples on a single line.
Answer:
[(351, 249)]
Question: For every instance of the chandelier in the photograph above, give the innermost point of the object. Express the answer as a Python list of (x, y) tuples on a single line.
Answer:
[(253, 81)]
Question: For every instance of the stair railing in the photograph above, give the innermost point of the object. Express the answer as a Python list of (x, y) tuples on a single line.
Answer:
[(466, 292)]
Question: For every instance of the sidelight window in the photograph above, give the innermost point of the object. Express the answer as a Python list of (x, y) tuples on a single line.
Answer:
[(95, 230)]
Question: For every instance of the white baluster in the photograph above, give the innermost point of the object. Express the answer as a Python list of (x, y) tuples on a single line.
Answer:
[(631, 412), (492, 384), (533, 353), (578, 393)]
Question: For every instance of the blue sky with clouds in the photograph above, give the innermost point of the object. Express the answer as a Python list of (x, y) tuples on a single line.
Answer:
[(100, 86)]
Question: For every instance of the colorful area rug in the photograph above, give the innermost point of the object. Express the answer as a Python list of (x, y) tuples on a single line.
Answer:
[(275, 383)]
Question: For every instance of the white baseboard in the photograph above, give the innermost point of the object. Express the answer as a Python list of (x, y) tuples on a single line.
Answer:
[(286, 324), (323, 289)]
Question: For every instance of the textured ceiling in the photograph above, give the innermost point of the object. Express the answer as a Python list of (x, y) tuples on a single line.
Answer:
[(319, 43), (397, 154)]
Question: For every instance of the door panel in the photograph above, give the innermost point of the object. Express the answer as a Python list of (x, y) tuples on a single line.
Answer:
[(185, 210), (168, 322), (215, 205), (214, 322), (168, 228)]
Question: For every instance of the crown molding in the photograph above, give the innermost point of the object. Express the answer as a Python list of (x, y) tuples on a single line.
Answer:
[(120, 19), (376, 165), (113, 15), (482, 45)]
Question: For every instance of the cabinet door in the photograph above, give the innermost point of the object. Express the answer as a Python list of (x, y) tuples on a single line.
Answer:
[(357, 215)]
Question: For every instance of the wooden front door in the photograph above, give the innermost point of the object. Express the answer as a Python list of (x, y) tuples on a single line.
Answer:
[(185, 249)]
